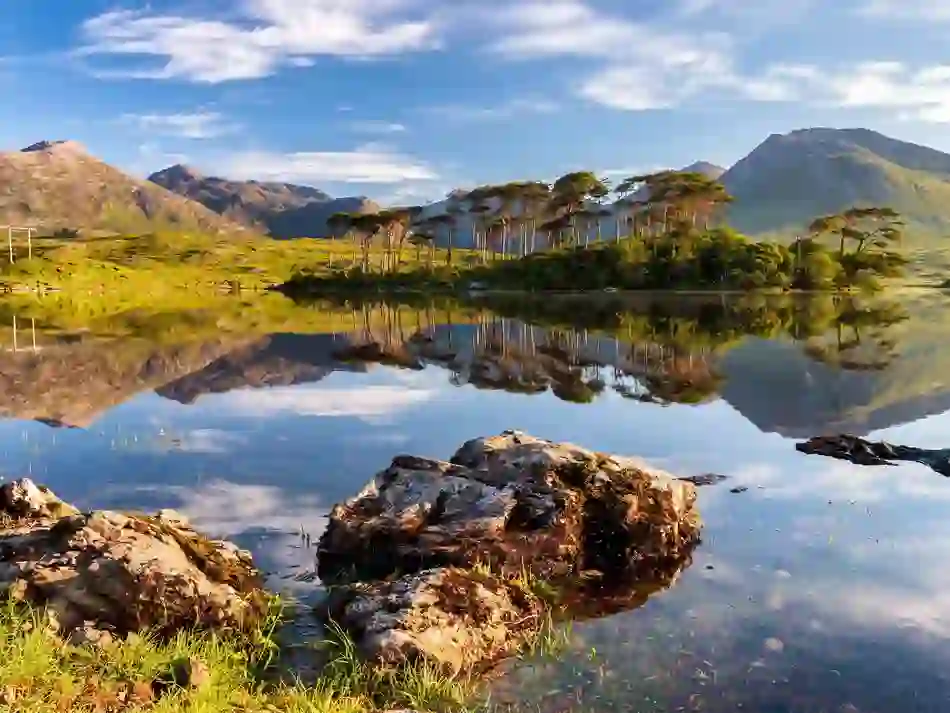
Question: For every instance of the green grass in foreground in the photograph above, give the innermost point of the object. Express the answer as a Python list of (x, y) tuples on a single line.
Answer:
[(40, 673)]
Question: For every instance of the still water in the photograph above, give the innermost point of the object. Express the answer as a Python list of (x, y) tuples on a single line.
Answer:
[(820, 587)]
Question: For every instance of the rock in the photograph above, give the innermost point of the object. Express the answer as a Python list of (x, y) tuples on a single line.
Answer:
[(173, 516), (861, 452), (24, 500), (121, 573), (513, 502), (89, 635), (452, 618), (705, 479)]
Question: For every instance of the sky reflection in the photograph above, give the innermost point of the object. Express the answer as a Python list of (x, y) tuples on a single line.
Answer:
[(818, 588)]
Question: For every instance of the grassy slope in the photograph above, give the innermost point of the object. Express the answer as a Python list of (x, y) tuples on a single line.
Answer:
[(174, 266), (922, 198)]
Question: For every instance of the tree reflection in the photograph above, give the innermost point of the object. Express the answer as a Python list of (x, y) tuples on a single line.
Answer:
[(660, 351)]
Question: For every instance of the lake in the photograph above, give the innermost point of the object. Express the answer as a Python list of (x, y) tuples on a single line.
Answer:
[(819, 585)]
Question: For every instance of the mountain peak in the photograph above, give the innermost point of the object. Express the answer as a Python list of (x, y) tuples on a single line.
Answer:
[(176, 174), (791, 178), (706, 168), (55, 146)]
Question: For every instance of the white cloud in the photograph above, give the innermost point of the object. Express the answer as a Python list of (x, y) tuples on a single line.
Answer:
[(368, 402), (266, 35), (198, 125), (915, 93), (642, 66), (371, 126), (504, 110), (928, 10), (367, 164)]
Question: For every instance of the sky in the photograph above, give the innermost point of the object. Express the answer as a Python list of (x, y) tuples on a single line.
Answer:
[(405, 100)]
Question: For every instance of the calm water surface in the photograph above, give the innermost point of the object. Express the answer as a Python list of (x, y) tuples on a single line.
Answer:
[(822, 587)]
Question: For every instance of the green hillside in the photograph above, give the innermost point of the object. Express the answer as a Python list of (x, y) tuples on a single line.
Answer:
[(789, 179)]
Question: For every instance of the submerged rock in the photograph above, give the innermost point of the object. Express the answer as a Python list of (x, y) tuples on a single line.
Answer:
[(439, 560), (120, 573), (513, 502), (862, 452), (454, 618), (704, 479)]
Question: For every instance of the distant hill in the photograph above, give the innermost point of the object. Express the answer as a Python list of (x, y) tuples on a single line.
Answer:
[(283, 210), (57, 184), (704, 167), (791, 178)]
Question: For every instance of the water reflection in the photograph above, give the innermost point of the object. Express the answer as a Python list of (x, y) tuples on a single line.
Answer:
[(816, 589)]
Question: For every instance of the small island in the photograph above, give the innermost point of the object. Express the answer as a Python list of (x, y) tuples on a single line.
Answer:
[(666, 232)]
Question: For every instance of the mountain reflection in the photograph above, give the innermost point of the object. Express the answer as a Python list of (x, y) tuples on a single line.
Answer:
[(796, 365)]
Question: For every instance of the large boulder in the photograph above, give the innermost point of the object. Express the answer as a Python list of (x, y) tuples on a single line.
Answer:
[(438, 560), (121, 573), (513, 502), (455, 619)]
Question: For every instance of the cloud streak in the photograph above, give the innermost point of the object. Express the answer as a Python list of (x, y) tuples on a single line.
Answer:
[(266, 36), (198, 125), (362, 165)]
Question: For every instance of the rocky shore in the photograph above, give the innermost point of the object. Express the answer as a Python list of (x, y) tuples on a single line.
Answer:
[(455, 564), (104, 574)]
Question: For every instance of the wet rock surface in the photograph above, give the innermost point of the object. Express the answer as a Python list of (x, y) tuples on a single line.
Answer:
[(455, 618), (431, 559), (861, 452), (105, 573)]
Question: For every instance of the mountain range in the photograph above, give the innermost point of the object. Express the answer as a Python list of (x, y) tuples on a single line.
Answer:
[(779, 187), (282, 210), (56, 185)]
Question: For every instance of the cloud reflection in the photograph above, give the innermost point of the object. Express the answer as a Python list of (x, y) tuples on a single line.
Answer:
[(369, 402)]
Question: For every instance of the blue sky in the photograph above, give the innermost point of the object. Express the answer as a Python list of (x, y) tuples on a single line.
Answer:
[(404, 100)]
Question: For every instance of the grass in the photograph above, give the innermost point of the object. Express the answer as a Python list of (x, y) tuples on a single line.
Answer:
[(41, 674), (159, 264)]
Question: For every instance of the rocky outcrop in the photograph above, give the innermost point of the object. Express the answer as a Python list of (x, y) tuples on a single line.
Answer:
[(862, 452), (106, 572), (457, 619), (514, 502), (506, 510)]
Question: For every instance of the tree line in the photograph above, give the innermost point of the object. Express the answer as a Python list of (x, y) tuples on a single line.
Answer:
[(522, 217), (667, 232)]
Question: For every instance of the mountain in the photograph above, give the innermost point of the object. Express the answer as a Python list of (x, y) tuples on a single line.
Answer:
[(274, 360), (57, 184), (284, 210), (706, 168), (791, 178)]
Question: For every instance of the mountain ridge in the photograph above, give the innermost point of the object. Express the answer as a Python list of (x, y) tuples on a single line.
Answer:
[(283, 210), (54, 185), (779, 187)]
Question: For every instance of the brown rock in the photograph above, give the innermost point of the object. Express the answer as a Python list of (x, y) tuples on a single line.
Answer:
[(513, 502), (453, 618), (23, 499), (122, 573)]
